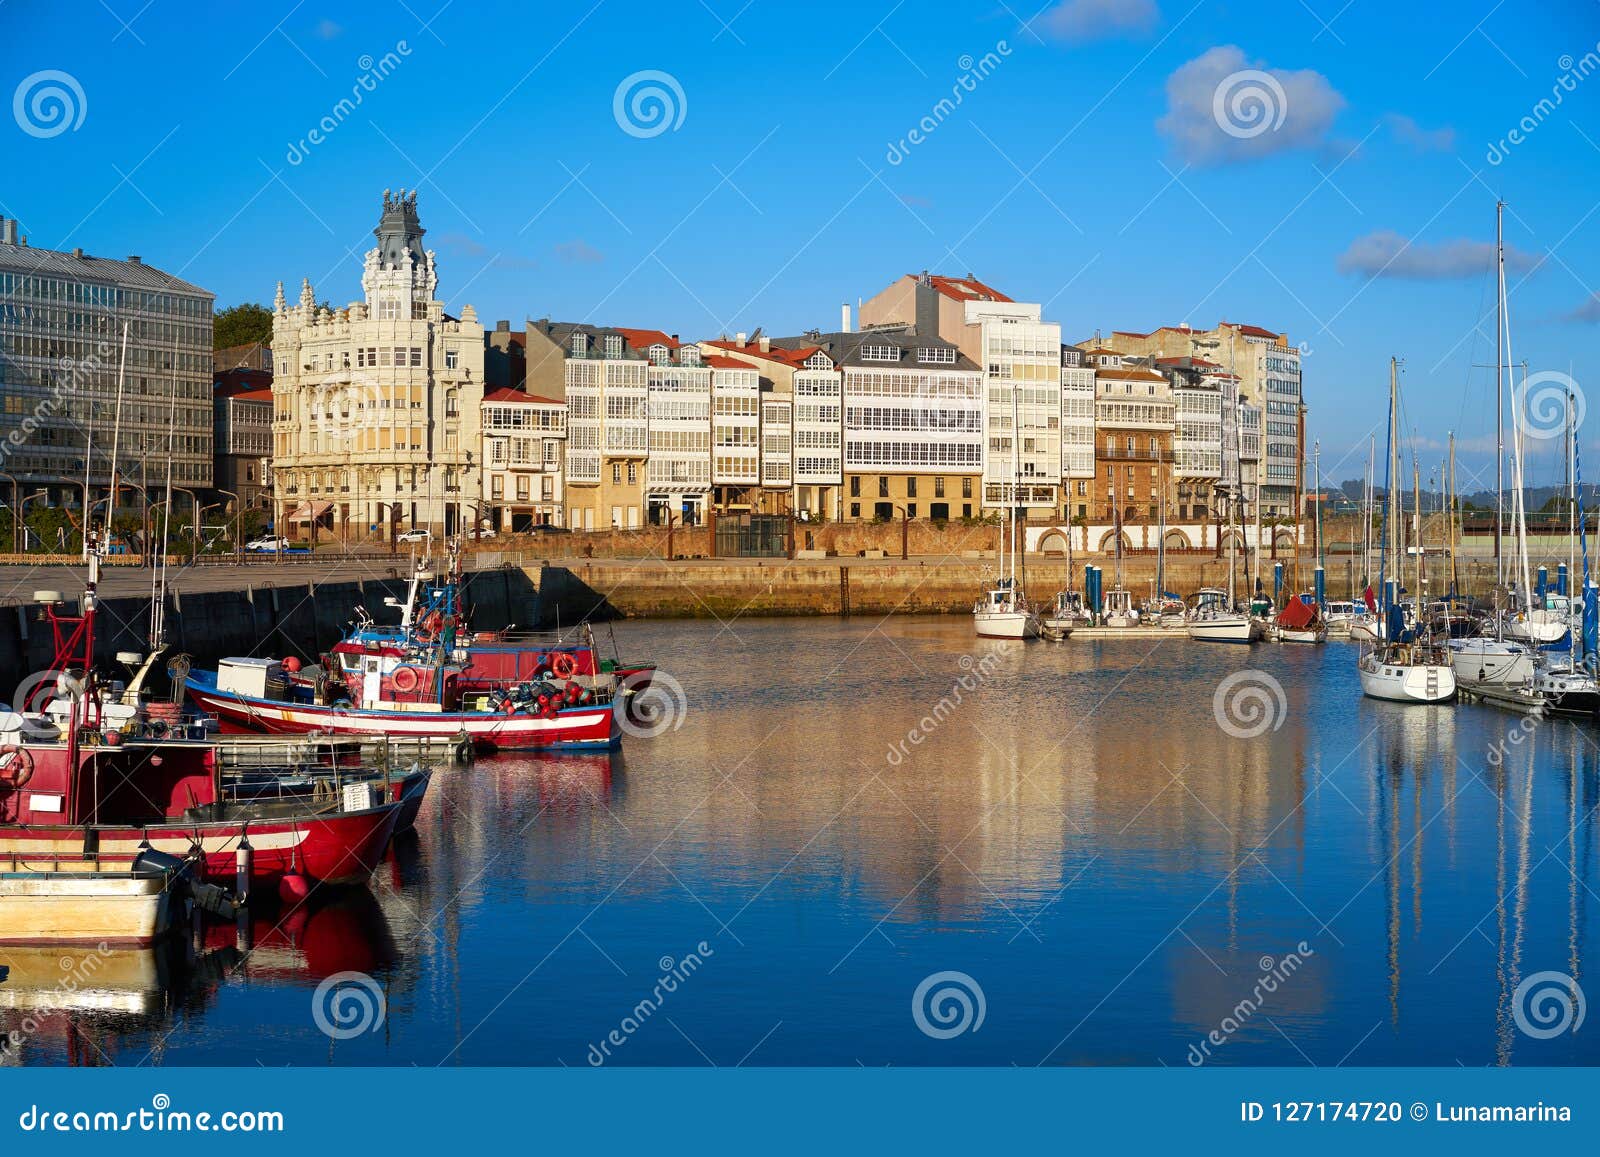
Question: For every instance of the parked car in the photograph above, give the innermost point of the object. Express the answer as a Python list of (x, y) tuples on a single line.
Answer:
[(267, 544), (481, 532), (547, 528), (423, 535)]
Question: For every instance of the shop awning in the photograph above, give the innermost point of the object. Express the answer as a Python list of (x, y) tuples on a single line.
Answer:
[(306, 512)]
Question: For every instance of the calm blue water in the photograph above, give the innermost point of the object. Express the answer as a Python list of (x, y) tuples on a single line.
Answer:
[(1077, 836)]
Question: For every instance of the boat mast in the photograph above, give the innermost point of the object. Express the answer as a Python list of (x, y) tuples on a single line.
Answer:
[(1450, 510), (1499, 389)]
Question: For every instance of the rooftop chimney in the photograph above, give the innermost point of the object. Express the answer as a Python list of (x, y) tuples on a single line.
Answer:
[(765, 343), (502, 327), (135, 259), (844, 318), (78, 253), (741, 337)]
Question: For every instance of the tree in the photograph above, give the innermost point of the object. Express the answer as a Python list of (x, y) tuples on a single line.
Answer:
[(241, 324)]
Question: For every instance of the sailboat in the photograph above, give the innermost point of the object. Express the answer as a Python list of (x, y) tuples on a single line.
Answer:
[(1493, 665), (1407, 667), (1214, 619), (1002, 611), (1564, 682)]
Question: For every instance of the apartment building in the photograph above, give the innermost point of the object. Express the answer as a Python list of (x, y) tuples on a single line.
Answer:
[(1135, 423), (524, 461), (1268, 371), (913, 433), (1077, 433), (62, 317), (604, 380), (378, 406), (241, 428)]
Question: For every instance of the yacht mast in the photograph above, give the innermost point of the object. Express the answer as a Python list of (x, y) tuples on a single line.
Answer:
[(1499, 389)]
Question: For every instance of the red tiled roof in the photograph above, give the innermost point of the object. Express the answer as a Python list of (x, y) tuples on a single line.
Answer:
[(254, 395), (965, 289), (718, 362), (1251, 330), (787, 357), (641, 339), (509, 395)]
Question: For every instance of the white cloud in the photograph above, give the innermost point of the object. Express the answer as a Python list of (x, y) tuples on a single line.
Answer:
[(1409, 132), (1388, 254), (1224, 108), (1589, 311), (1098, 19)]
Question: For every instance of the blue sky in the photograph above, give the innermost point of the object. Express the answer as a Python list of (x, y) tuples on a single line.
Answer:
[(1086, 166)]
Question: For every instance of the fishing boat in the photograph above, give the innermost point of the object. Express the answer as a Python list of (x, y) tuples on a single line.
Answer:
[(72, 901), (1117, 609), (406, 692), (81, 781), (1341, 616), (1406, 666)]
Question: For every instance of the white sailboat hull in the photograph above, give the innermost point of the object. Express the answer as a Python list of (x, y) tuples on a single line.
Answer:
[(1224, 629), (1490, 663), (1540, 628), (1302, 634), (1006, 624), (1422, 683)]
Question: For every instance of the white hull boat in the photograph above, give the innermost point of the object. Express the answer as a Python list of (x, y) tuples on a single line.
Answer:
[(1491, 663), (1224, 629), (1403, 674), (1302, 635), (1006, 624)]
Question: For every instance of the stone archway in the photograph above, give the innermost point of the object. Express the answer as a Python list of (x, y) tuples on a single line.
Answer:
[(1108, 542), (1055, 541), (1177, 540)]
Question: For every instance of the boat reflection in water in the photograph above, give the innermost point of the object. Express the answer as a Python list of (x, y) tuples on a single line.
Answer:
[(88, 1005)]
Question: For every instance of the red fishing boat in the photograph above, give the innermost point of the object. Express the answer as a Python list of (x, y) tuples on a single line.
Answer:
[(85, 786)]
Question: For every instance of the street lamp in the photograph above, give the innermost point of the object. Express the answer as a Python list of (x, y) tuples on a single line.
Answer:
[(195, 542), (21, 511), (905, 531), (238, 525)]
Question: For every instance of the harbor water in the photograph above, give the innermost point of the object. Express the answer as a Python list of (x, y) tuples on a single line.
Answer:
[(889, 843)]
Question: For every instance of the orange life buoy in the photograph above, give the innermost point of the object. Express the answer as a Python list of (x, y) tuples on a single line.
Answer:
[(16, 766), (563, 665), (406, 679)]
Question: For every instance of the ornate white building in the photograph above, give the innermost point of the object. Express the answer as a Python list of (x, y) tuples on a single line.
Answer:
[(378, 406)]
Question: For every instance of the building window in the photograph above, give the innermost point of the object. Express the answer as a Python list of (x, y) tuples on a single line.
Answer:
[(936, 356), (911, 486), (633, 473), (966, 489), (580, 345), (613, 345), (879, 353), (616, 473), (911, 510), (497, 487), (938, 487), (883, 486), (855, 510), (855, 486), (450, 358)]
